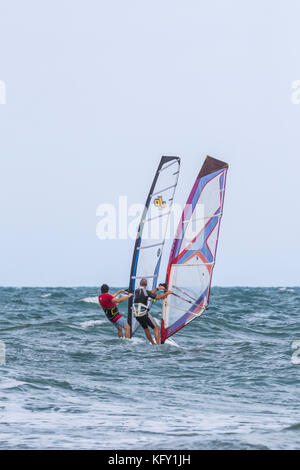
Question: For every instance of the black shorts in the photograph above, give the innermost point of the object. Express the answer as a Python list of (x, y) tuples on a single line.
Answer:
[(146, 320)]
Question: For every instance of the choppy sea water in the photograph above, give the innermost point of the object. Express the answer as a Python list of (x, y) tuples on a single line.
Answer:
[(68, 382)]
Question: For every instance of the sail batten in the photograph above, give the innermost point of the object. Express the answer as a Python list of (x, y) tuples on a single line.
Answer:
[(193, 252)]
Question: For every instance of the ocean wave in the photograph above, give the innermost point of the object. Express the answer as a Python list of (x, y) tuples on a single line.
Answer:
[(64, 356), (10, 383), (55, 294), (293, 427), (89, 323), (286, 289), (136, 340), (90, 300)]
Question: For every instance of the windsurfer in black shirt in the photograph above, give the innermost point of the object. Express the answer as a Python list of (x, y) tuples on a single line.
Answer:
[(140, 308)]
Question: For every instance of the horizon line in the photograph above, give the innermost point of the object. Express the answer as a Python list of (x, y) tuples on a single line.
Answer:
[(113, 287)]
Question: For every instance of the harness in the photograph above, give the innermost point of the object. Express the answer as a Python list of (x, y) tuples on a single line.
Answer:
[(111, 311), (140, 310)]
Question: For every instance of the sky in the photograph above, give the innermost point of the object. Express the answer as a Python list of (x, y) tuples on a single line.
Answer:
[(97, 91)]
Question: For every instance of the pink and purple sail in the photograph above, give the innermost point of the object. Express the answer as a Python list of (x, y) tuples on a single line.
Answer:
[(193, 252)]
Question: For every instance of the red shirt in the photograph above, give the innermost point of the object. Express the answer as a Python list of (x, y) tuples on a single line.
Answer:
[(105, 301), (109, 307)]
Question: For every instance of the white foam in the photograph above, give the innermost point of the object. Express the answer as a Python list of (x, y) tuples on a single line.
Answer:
[(46, 295), (136, 340), (89, 323), (285, 289), (10, 383), (171, 342), (90, 300)]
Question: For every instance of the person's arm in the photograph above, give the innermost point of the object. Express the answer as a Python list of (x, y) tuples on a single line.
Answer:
[(161, 286), (153, 291), (152, 294), (164, 295), (122, 299), (118, 292)]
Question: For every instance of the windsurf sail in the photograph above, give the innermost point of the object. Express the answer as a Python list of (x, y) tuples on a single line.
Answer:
[(152, 230), (193, 252)]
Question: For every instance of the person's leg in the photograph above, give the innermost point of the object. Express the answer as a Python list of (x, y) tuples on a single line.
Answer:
[(157, 334), (148, 335), (120, 332), (127, 331), (152, 323), (122, 323), (145, 322)]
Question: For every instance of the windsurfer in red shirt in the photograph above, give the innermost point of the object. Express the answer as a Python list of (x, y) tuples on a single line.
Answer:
[(108, 303)]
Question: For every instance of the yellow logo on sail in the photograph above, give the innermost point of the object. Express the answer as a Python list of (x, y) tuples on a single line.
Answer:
[(158, 202)]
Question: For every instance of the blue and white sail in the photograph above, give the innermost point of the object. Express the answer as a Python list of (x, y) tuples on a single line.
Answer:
[(151, 233)]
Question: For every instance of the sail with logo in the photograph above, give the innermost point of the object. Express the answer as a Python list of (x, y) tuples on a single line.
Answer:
[(193, 253), (152, 229)]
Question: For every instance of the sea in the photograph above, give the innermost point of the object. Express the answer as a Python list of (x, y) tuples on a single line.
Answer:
[(230, 381)]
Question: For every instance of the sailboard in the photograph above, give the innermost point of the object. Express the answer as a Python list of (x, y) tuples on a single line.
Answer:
[(152, 229), (193, 252)]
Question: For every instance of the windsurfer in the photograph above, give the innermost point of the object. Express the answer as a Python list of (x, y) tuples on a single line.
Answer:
[(108, 303), (140, 308)]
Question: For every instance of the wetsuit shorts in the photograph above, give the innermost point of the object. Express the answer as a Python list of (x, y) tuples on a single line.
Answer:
[(120, 321), (146, 321)]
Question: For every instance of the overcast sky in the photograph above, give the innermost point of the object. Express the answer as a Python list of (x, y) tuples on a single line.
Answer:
[(97, 91)]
